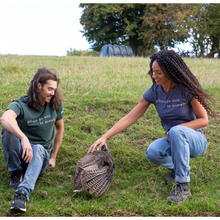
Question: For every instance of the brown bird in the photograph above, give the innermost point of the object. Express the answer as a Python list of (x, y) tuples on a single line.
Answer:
[(94, 172)]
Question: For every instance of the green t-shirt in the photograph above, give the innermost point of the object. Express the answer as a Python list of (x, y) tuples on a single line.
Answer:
[(37, 124)]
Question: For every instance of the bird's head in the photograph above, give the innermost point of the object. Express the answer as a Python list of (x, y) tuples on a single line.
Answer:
[(104, 147)]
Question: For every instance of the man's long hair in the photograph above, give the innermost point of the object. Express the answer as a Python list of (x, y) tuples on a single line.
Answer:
[(42, 76), (176, 70)]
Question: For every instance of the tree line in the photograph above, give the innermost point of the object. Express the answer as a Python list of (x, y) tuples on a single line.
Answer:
[(144, 26)]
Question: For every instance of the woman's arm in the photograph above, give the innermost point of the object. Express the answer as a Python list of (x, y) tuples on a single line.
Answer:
[(123, 123), (201, 116)]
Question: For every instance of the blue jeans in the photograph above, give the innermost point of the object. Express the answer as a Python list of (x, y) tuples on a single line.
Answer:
[(184, 143), (13, 153)]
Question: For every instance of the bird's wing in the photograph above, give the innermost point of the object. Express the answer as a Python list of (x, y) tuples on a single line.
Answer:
[(90, 174), (89, 160), (98, 169), (99, 185)]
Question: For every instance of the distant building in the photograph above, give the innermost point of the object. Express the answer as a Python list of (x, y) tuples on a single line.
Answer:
[(109, 50)]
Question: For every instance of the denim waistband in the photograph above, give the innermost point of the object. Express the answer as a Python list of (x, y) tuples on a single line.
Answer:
[(199, 130)]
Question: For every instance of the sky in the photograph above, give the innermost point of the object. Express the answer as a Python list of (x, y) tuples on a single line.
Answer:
[(41, 27)]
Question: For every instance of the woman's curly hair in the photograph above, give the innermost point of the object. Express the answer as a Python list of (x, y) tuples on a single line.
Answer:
[(43, 74), (179, 74)]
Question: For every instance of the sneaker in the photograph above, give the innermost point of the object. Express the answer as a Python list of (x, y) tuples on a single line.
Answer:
[(16, 177), (170, 177), (180, 193), (19, 201)]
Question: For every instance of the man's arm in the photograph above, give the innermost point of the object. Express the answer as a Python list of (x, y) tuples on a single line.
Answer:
[(57, 142), (8, 121)]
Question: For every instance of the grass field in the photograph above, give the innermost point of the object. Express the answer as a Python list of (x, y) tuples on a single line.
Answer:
[(97, 92)]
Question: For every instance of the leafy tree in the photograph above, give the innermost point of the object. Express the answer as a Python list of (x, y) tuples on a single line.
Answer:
[(202, 22), (196, 26), (143, 26), (213, 25), (158, 25), (112, 24)]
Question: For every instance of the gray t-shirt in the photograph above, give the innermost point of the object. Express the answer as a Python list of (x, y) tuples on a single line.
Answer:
[(173, 107)]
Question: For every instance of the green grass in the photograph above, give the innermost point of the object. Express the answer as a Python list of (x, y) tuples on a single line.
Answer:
[(98, 92)]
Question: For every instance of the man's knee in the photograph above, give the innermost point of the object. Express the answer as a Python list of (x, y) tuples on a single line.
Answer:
[(7, 136), (10, 142), (41, 154), (39, 149)]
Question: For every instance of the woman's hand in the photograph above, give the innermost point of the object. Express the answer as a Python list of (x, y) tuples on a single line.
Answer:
[(167, 136), (99, 143)]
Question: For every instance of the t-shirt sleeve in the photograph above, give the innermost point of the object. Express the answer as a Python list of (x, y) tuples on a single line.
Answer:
[(149, 95), (60, 113), (15, 106), (188, 96)]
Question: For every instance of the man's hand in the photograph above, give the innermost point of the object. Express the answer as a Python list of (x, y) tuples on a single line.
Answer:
[(52, 163), (57, 142), (27, 150), (8, 121)]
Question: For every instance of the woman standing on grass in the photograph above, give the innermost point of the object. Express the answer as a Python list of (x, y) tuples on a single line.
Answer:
[(181, 105)]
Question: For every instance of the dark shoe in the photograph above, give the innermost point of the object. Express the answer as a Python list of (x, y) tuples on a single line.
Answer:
[(19, 201), (16, 178), (180, 193), (170, 177)]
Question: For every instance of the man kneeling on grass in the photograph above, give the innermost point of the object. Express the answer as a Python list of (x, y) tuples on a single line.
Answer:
[(28, 133)]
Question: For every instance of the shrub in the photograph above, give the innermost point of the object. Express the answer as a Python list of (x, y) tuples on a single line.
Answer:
[(75, 52)]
